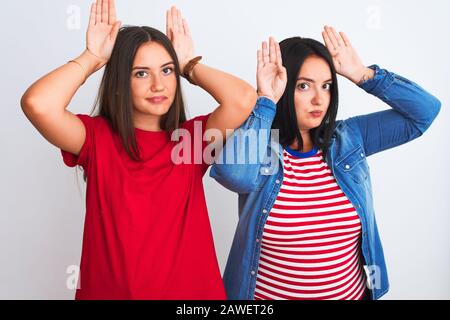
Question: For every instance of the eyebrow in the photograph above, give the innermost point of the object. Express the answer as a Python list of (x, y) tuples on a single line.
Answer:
[(311, 80), (147, 68)]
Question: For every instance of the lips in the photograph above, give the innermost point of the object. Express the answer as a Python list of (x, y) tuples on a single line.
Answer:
[(158, 99), (316, 113)]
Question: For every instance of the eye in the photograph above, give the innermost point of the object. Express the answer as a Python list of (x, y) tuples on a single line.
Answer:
[(327, 86), (303, 86), (141, 74), (167, 70)]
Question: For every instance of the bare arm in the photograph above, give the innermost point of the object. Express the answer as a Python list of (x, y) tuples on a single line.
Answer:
[(46, 101), (236, 98)]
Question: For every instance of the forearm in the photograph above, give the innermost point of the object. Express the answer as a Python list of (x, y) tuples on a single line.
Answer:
[(225, 88), (406, 97), (54, 91)]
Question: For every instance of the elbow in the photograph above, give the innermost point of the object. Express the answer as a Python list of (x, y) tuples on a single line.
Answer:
[(433, 107), (31, 106), (246, 100), (27, 103), (250, 99), (436, 106)]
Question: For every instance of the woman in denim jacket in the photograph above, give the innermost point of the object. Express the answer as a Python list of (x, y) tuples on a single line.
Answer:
[(307, 227)]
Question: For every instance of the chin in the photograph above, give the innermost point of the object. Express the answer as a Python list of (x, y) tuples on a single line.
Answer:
[(157, 110), (311, 125)]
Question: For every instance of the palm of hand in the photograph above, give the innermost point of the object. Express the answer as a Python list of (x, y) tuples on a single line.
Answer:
[(270, 81), (271, 75), (99, 40), (346, 61), (345, 58), (178, 32), (184, 49)]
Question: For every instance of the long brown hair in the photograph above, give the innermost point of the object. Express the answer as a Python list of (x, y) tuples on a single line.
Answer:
[(114, 101)]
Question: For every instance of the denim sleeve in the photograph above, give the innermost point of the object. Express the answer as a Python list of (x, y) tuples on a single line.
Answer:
[(413, 111), (238, 165)]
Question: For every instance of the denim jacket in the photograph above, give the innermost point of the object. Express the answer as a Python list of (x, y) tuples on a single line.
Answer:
[(258, 182)]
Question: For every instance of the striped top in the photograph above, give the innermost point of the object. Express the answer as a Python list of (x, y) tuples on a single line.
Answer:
[(311, 247)]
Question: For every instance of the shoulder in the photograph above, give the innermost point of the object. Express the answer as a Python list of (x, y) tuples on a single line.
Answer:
[(199, 121), (94, 123)]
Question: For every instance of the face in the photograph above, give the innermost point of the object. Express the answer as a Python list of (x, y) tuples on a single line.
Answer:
[(312, 93), (153, 84)]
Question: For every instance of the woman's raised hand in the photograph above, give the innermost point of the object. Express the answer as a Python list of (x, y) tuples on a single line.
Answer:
[(102, 31), (271, 75), (345, 58), (178, 32)]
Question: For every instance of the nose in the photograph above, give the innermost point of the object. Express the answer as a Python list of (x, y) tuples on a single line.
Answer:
[(318, 99), (157, 85)]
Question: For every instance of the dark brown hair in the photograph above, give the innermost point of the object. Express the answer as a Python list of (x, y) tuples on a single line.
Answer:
[(294, 52), (114, 101)]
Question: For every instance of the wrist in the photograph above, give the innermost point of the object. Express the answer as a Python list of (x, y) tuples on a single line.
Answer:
[(91, 61), (268, 96), (188, 70), (362, 75)]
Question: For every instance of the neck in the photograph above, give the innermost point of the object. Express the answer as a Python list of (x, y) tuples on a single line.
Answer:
[(307, 142), (147, 122)]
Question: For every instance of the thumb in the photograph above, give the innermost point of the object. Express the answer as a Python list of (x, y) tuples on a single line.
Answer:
[(170, 34), (282, 72)]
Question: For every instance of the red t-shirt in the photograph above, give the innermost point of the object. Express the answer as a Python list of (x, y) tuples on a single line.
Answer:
[(147, 233)]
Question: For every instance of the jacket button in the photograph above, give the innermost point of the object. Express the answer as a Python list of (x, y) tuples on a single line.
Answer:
[(264, 211), (257, 240), (362, 155), (253, 273), (347, 166), (277, 182), (266, 170)]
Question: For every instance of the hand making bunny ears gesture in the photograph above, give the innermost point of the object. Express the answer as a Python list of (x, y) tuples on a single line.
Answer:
[(177, 30), (102, 30), (271, 75), (345, 58)]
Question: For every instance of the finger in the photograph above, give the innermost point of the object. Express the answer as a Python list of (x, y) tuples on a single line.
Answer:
[(336, 63), (112, 12), (168, 22), (259, 64), (328, 43), (282, 72), (272, 51), (98, 12), (279, 58), (92, 16), (105, 10), (175, 27), (337, 37), (265, 52), (346, 40), (186, 28), (331, 37), (180, 22)]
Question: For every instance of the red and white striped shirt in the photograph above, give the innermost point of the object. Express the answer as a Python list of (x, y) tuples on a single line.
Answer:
[(310, 248)]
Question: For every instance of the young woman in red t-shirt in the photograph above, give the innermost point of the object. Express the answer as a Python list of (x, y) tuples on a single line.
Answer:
[(147, 233)]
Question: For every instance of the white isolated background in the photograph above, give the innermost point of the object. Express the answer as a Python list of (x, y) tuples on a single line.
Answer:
[(42, 201)]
